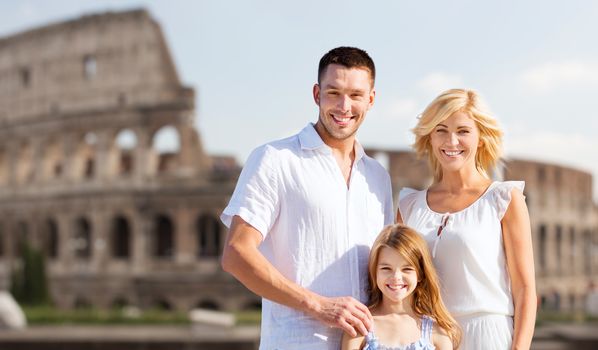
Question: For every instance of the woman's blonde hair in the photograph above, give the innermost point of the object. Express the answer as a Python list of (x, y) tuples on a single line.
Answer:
[(426, 296), (445, 105)]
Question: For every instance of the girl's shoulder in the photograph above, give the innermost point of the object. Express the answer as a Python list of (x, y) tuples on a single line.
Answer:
[(352, 343), (440, 338)]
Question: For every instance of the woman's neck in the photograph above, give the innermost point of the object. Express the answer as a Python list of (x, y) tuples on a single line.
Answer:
[(456, 181)]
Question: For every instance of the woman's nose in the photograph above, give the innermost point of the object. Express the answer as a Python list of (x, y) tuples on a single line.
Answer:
[(453, 139)]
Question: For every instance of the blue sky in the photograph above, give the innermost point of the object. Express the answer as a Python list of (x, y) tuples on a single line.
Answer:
[(253, 64)]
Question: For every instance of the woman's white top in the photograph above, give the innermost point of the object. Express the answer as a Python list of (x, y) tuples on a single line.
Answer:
[(469, 253)]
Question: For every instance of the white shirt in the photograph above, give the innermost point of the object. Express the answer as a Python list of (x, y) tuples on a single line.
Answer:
[(469, 255), (317, 232)]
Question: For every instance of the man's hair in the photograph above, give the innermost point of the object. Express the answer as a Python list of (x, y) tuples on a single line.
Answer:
[(350, 57)]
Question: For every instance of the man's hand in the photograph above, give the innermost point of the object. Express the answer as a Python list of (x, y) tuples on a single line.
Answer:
[(345, 313)]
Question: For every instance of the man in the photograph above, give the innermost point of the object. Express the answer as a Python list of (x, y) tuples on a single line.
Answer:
[(305, 212)]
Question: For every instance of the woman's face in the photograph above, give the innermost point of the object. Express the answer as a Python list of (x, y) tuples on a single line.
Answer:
[(455, 142)]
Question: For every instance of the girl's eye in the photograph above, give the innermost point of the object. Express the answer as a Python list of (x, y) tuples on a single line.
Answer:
[(463, 131), (440, 130)]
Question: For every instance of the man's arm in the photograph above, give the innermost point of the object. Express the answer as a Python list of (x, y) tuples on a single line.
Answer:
[(242, 258)]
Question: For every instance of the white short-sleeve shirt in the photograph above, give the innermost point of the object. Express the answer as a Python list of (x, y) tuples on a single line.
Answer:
[(317, 232)]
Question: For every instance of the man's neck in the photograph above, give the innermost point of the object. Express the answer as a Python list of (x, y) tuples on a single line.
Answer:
[(344, 149)]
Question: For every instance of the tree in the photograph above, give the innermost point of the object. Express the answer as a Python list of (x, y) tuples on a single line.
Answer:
[(28, 281)]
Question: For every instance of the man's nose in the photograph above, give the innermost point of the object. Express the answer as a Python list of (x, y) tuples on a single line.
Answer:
[(344, 103)]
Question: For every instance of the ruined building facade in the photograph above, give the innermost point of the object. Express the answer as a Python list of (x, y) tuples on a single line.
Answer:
[(82, 104)]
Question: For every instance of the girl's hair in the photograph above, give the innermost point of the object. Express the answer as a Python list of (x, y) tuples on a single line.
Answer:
[(426, 296), (445, 105)]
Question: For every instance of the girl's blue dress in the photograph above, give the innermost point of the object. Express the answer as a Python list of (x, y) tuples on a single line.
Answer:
[(424, 342)]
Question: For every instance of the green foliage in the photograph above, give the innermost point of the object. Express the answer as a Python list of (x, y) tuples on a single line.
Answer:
[(545, 316), (28, 281), (248, 317), (45, 315)]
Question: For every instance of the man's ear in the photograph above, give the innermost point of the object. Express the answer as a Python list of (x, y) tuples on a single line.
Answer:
[(316, 93), (372, 98)]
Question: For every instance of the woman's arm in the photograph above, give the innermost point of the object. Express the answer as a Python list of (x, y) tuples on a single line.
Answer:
[(520, 262), (351, 343)]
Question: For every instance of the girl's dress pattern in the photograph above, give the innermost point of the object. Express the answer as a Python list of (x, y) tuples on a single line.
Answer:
[(424, 342)]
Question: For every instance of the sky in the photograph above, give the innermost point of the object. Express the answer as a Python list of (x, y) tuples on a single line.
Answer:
[(253, 65)]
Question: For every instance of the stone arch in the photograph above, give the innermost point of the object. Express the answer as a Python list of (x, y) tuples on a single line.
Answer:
[(2, 238), (163, 239), (52, 160), (572, 301), (82, 302), (125, 143), (587, 252), (120, 238), (50, 238), (166, 147), (3, 167), (542, 247), (85, 157), (208, 304), (208, 236), (24, 171), (22, 237), (82, 238), (162, 304), (558, 242), (120, 302)]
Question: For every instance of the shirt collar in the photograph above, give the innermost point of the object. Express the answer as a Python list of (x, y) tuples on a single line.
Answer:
[(310, 140)]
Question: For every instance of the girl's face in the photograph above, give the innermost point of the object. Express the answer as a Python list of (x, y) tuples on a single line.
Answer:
[(396, 277), (455, 142)]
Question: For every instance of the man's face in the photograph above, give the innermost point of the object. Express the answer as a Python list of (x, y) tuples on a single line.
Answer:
[(344, 96)]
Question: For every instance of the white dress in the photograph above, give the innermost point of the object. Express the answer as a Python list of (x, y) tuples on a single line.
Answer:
[(470, 259)]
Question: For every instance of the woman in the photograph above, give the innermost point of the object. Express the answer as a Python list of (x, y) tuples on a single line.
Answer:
[(477, 229)]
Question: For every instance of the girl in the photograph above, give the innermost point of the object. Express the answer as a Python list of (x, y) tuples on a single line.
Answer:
[(404, 297), (477, 229)]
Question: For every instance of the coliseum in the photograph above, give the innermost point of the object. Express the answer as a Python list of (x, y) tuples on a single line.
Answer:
[(83, 107)]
